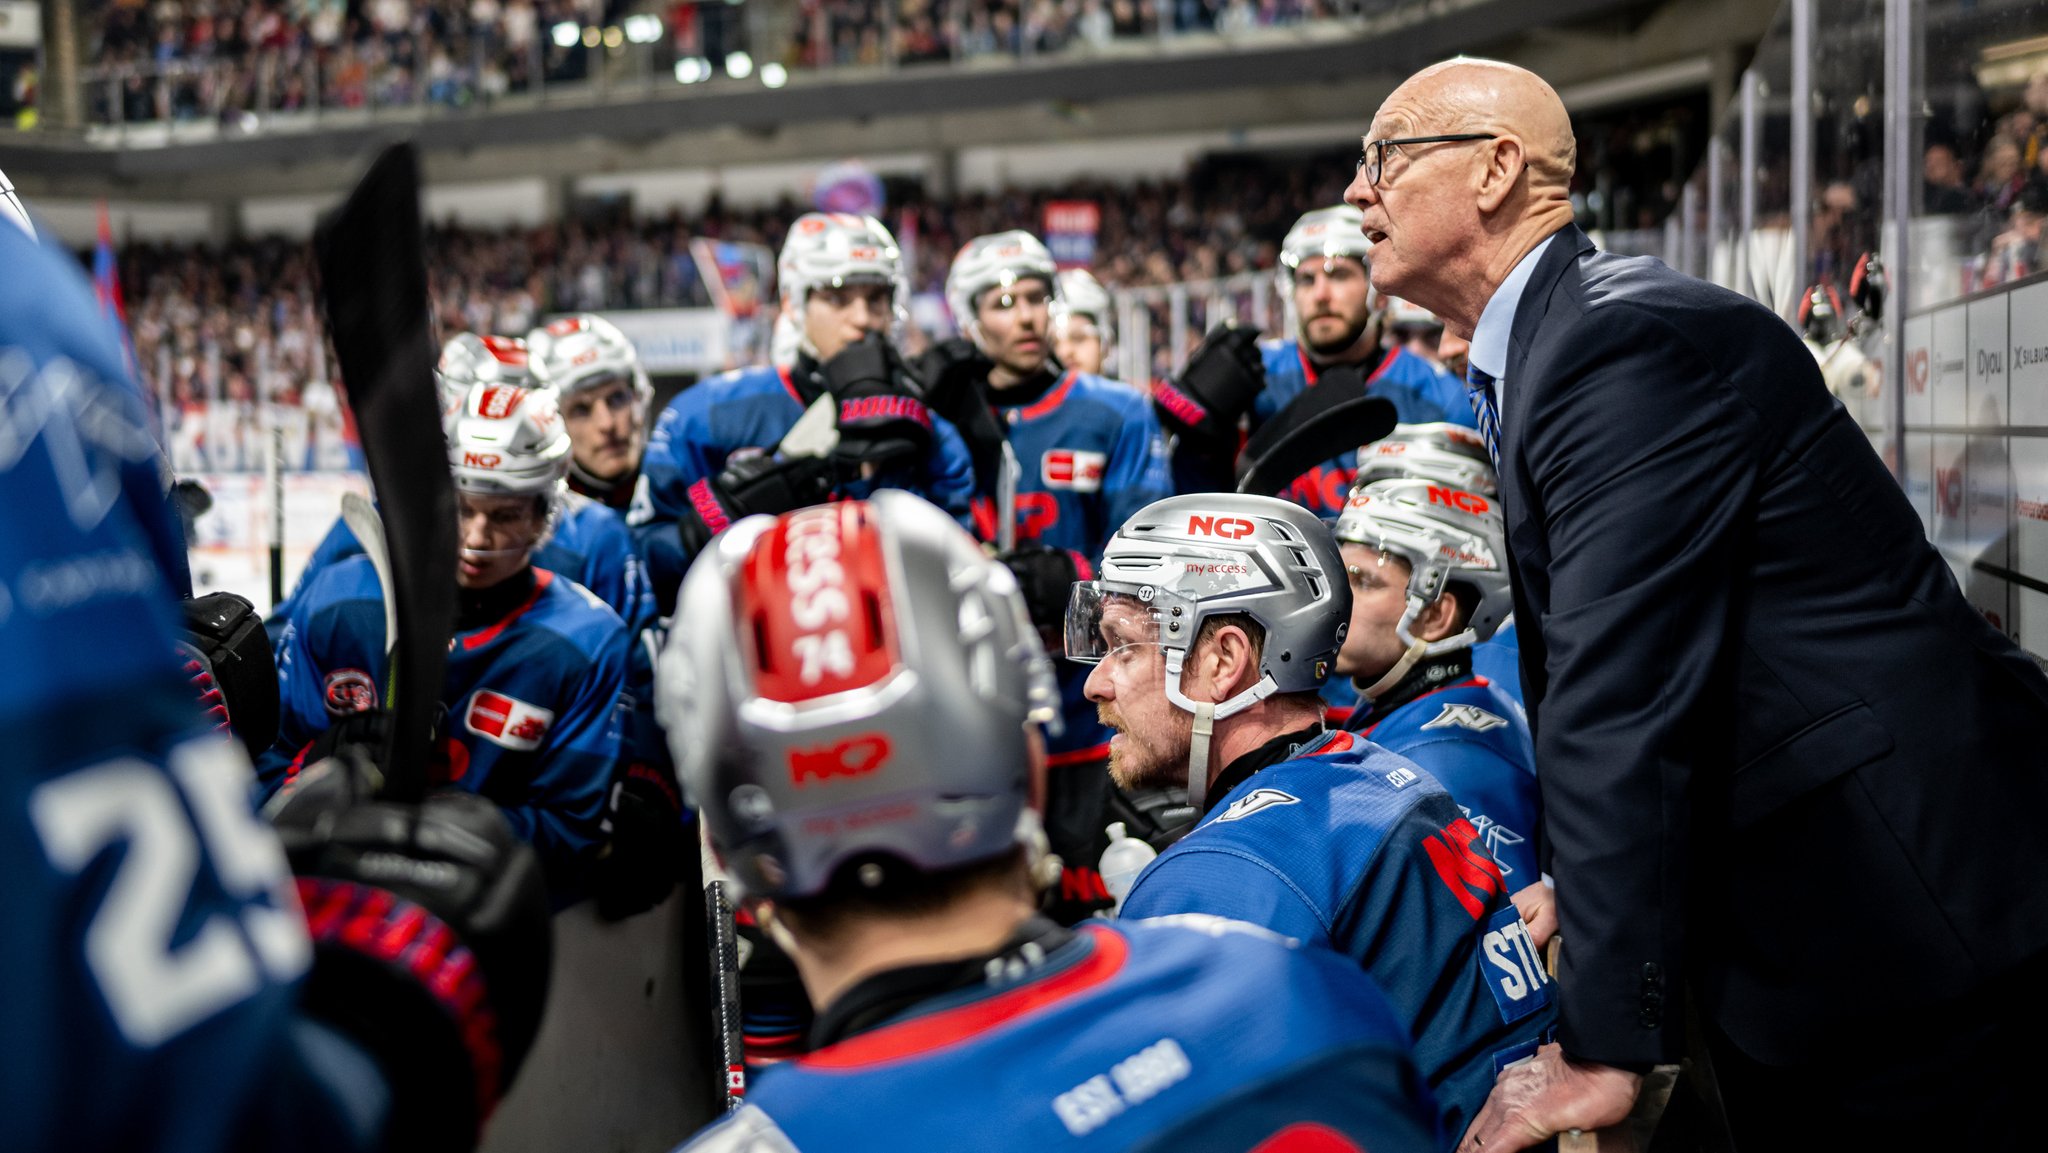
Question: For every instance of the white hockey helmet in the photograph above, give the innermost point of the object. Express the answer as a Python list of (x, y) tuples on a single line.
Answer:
[(1407, 314), (1324, 234), (510, 441), (1188, 558), (835, 249), (997, 260), (1081, 295), (853, 690), (586, 351), (1448, 536), (468, 360), (1446, 453)]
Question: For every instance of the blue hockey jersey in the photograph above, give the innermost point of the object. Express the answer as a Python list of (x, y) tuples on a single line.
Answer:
[(1421, 393), (753, 409), (590, 545), (1474, 739), (1350, 847), (1204, 1035), (1499, 659), (1092, 455), (152, 941), (532, 702)]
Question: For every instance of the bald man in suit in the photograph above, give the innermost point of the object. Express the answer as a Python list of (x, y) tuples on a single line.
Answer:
[(1786, 769)]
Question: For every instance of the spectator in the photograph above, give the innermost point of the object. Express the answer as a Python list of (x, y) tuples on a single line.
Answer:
[(1944, 192)]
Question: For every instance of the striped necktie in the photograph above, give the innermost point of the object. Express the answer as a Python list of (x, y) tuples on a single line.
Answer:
[(1479, 390)]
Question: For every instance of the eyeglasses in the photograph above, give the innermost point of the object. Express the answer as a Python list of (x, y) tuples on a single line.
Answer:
[(1374, 160)]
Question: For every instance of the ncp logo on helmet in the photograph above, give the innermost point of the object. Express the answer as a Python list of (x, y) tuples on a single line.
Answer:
[(1449, 454), (1429, 539), (854, 702), (1178, 572)]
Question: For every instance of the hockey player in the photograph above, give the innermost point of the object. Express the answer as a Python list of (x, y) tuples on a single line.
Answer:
[(605, 395), (715, 457), (1214, 621), (1452, 455), (875, 809), (588, 543), (1428, 573), (162, 990), (1090, 454), (1083, 323), (537, 664), (1322, 272)]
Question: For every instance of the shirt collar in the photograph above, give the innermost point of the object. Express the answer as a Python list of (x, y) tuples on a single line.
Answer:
[(1280, 748), (1490, 338)]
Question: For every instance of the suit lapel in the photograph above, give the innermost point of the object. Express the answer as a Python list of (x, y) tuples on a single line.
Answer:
[(1571, 243)]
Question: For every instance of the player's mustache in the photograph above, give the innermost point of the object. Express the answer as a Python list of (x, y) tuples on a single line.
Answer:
[(1104, 715)]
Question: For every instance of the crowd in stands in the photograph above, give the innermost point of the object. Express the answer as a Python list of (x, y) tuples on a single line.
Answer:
[(190, 59), (243, 325), (179, 60), (2000, 202)]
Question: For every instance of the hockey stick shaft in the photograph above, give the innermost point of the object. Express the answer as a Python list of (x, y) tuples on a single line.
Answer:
[(729, 1037)]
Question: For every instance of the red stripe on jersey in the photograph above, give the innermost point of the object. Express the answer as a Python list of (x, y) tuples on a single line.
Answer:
[(1308, 1137), (922, 1035), (1050, 400), (476, 640), (789, 386)]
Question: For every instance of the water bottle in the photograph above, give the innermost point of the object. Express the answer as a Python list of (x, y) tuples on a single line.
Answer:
[(1122, 861)]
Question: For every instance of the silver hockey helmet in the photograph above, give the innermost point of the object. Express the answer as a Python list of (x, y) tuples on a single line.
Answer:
[(1188, 558), (587, 351), (1324, 234), (1446, 453), (1448, 536), (854, 683), (1082, 297), (997, 260)]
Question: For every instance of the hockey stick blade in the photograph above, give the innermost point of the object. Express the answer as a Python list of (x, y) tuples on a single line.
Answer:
[(373, 285), (1284, 449), (361, 518)]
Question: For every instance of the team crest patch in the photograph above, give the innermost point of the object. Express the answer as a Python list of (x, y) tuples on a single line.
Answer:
[(349, 691), (1466, 717), (1256, 801), (507, 721)]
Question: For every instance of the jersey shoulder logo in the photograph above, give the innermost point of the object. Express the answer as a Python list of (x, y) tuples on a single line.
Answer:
[(1257, 801), (1073, 469), (1466, 717), (508, 721), (348, 691)]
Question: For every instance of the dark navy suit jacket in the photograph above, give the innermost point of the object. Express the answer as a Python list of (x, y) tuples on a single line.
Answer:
[(1783, 761)]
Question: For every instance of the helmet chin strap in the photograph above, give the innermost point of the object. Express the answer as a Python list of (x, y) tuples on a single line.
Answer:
[(1206, 713), (1041, 863), (1417, 649)]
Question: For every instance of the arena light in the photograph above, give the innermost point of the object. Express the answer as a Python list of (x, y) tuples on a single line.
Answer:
[(774, 75), (644, 28), (592, 35), (739, 65), (692, 70), (565, 34), (613, 37)]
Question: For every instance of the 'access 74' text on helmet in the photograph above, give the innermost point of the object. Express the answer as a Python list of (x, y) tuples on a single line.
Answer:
[(1448, 536), (854, 686), (997, 260), (1449, 454), (587, 351)]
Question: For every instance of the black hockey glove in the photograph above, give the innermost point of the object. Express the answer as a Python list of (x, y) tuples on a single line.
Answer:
[(1222, 379), (646, 852), (952, 372), (756, 484), (432, 948), (1159, 817), (884, 421), (229, 663), (1046, 576)]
